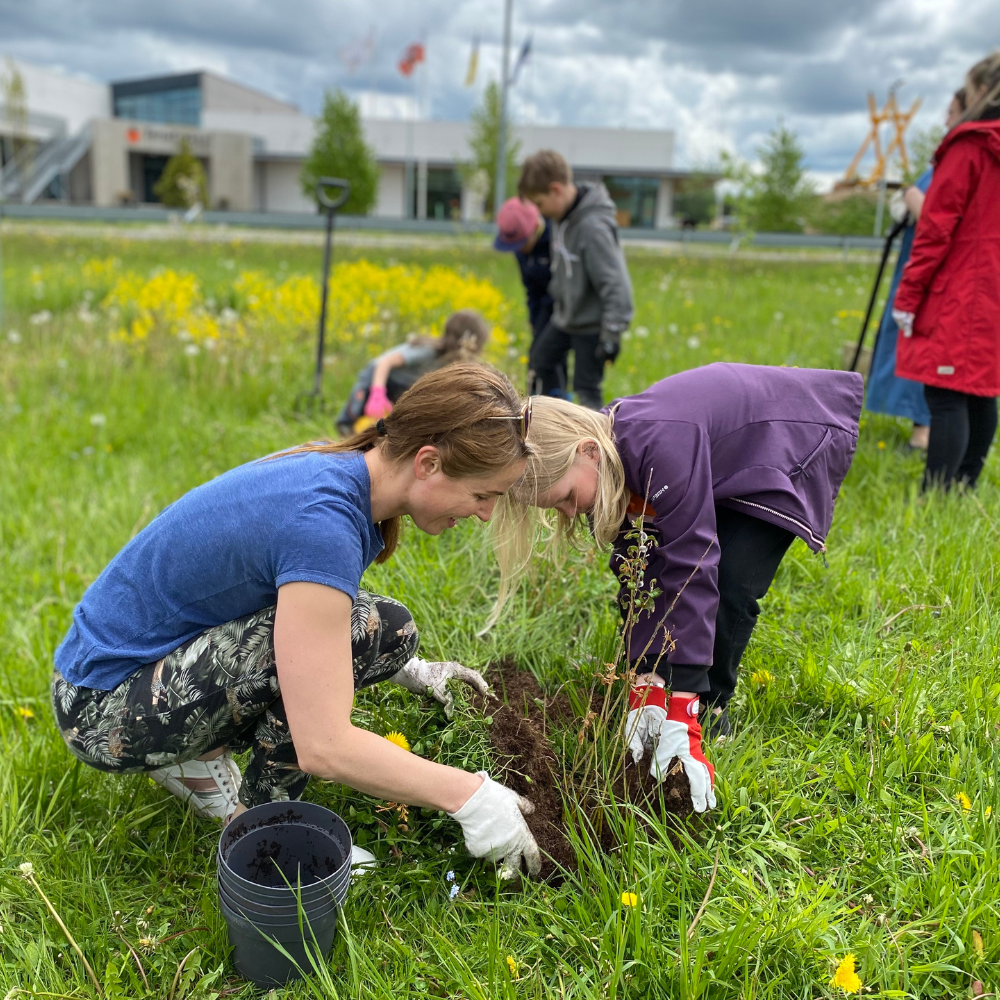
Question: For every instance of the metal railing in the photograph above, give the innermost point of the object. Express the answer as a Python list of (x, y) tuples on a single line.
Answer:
[(307, 220)]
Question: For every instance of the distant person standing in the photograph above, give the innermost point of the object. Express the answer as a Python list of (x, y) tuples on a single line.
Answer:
[(523, 231), (886, 393), (948, 303), (590, 287)]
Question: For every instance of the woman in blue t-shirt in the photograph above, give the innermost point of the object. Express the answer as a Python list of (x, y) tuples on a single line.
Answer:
[(235, 620)]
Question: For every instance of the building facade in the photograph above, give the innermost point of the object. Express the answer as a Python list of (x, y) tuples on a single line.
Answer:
[(108, 146)]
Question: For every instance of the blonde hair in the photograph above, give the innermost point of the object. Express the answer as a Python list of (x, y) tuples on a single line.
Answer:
[(469, 412), (557, 429), (985, 76)]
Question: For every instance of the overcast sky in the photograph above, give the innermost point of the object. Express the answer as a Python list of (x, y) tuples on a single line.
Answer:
[(718, 72)]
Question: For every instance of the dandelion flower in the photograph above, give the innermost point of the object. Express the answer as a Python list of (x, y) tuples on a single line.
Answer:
[(845, 977), (25, 712), (881, 446), (399, 739), (26, 868), (512, 965), (762, 677), (964, 801), (630, 900), (98, 420), (989, 812)]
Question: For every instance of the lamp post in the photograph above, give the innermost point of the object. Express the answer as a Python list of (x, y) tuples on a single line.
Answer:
[(500, 182)]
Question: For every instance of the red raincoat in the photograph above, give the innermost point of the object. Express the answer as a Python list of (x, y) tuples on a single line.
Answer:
[(952, 280)]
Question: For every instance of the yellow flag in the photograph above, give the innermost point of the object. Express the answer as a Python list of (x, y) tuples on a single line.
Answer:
[(470, 73)]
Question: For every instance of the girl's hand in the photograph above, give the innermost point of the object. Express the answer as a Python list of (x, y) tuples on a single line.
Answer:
[(378, 404)]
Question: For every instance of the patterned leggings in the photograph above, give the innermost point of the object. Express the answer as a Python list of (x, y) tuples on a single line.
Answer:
[(221, 689)]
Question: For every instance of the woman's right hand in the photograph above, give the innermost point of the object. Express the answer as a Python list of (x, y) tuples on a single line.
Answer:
[(378, 404), (492, 820)]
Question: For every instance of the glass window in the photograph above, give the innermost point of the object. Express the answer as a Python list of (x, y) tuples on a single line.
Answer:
[(444, 194), (181, 106), (635, 200)]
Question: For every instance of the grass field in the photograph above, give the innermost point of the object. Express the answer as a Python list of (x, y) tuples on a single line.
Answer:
[(857, 802)]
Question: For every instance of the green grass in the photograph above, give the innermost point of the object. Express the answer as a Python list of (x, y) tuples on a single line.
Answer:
[(837, 826)]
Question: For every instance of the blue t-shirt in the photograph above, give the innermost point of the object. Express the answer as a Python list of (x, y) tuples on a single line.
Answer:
[(219, 553)]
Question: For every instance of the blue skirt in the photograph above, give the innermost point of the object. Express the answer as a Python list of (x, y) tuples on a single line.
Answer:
[(886, 393)]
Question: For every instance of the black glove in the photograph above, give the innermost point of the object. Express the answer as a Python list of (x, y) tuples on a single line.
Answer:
[(607, 349)]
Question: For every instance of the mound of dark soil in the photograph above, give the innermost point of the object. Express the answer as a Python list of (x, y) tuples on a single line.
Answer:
[(519, 737)]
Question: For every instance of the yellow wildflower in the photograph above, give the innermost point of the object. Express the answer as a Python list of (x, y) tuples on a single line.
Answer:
[(964, 801), (512, 965), (762, 677), (25, 712), (881, 446), (845, 977), (399, 739), (989, 812), (630, 900)]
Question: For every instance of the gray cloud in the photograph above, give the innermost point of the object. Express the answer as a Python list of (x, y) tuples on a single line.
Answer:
[(720, 72)]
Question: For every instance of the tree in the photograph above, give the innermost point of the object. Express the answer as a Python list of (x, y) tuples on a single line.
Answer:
[(15, 99), (923, 145), (484, 142), (182, 182), (339, 150), (775, 198)]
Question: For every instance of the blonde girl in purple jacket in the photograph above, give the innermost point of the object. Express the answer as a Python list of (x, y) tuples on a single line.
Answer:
[(725, 465)]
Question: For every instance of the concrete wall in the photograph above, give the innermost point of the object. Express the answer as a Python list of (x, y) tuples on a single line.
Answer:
[(229, 157), (390, 202), (281, 187), (665, 204), (220, 94), (72, 99)]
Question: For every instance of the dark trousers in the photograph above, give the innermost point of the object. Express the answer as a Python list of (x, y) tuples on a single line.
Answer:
[(750, 553), (547, 365), (962, 429), (221, 689)]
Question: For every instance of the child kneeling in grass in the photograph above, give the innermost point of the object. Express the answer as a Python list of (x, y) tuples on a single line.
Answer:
[(383, 380)]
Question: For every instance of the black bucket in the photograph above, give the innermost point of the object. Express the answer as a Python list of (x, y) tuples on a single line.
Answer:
[(282, 913), (256, 958), (279, 864)]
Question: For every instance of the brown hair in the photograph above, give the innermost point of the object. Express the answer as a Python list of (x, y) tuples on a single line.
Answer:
[(985, 75), (469, 412), (542, 169), (465, 334)]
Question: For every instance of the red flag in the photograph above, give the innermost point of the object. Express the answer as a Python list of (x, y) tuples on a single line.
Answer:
[(414, 54)]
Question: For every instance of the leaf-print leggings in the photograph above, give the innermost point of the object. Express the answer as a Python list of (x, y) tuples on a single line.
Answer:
[(220, 689)]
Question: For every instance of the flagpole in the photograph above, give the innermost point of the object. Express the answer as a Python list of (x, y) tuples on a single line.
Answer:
[(500, 182)]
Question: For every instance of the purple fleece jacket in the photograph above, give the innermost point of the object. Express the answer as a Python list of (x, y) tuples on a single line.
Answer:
[(773, 442)]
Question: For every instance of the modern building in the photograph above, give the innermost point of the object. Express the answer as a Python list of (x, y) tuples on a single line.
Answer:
[(77, 141)]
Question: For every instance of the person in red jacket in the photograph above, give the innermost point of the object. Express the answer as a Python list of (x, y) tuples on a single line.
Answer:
[(948, 303)]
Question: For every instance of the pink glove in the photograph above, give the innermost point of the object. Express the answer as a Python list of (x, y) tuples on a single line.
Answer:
[(378, 404), (670, 731)]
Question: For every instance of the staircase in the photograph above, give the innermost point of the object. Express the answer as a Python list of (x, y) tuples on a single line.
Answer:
[(30, 174)]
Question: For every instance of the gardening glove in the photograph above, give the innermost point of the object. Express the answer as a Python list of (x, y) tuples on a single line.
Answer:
[(904, 321), (423, 677), (670, 731), (608, 346), (378, 404), (493, 823)]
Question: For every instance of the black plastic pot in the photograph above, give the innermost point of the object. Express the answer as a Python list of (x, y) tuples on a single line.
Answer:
[(281, 913), (254, 953)]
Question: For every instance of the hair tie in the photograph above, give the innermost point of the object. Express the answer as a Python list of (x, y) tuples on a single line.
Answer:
[(380, 428)]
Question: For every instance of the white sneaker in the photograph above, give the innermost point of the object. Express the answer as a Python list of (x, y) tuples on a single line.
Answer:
[(211, 803)]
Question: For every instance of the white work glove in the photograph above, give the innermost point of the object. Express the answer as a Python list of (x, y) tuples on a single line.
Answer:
[(493, 823), (670, 732), (904, 321), (424, 677)]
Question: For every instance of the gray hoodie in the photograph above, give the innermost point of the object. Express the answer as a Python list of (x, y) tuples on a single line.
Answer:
[(590, 286)]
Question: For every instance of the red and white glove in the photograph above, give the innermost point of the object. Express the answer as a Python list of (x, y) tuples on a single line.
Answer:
[(378, 404), (669, 731)]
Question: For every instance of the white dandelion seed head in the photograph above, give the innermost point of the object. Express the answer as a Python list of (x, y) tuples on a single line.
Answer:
[(98, 420), (693, 343), (13, 337), (192, 350), (26, 868)]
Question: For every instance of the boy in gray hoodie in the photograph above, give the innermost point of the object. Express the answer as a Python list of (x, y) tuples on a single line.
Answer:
[(590, 286)]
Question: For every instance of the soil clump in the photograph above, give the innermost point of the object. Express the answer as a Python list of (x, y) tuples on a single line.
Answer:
[(519, 737)]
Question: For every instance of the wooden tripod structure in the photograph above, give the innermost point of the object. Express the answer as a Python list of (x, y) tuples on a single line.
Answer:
[(900, 121)]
